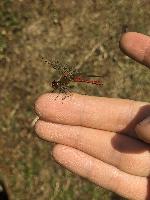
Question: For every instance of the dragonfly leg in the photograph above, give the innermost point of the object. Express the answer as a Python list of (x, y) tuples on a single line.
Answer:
[(64, 90), (55, 91), (67, 92), (57, 95), (61, 90), (52, 91)]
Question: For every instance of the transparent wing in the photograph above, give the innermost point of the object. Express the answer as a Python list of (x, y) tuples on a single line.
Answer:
[(87, 75), (60, 67), (63, 68)]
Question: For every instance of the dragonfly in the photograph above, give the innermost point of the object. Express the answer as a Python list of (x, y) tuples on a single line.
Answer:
[(69, 74)]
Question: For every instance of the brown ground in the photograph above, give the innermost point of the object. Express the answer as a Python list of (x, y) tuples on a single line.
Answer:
[(67, 30)]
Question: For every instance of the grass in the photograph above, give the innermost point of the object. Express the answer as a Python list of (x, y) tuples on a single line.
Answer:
[(67, 31)]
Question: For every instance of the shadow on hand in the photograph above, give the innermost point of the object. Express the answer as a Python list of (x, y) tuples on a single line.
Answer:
[(126, 141)]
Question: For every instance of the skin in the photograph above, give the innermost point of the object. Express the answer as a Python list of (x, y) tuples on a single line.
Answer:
[(105, 140)]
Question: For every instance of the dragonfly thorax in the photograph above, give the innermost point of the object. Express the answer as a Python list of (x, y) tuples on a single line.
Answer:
[(62, 82)]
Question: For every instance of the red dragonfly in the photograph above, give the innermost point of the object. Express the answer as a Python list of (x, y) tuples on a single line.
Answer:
[(68, 75)]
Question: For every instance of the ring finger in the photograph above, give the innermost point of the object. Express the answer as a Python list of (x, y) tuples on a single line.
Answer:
[(125, 153)]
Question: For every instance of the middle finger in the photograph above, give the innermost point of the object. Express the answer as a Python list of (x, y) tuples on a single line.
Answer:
[(125, 153)]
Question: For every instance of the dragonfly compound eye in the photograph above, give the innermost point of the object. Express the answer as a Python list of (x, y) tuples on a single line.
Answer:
[(55, 84)]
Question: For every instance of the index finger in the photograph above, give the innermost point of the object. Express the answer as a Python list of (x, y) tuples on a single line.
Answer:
[(108, 114), (137, 46)]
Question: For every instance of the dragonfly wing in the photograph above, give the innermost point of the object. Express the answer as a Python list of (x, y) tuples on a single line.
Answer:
[(66, 68), (87, 75), (59, 66), (56, 65)]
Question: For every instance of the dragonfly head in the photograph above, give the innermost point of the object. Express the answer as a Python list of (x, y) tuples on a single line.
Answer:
[(55, 84)]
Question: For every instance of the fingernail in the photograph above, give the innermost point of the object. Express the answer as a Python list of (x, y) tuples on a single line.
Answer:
[(145, 121), (143, 130)]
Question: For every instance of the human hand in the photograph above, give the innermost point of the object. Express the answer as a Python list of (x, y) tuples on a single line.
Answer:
[(103, 139)]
